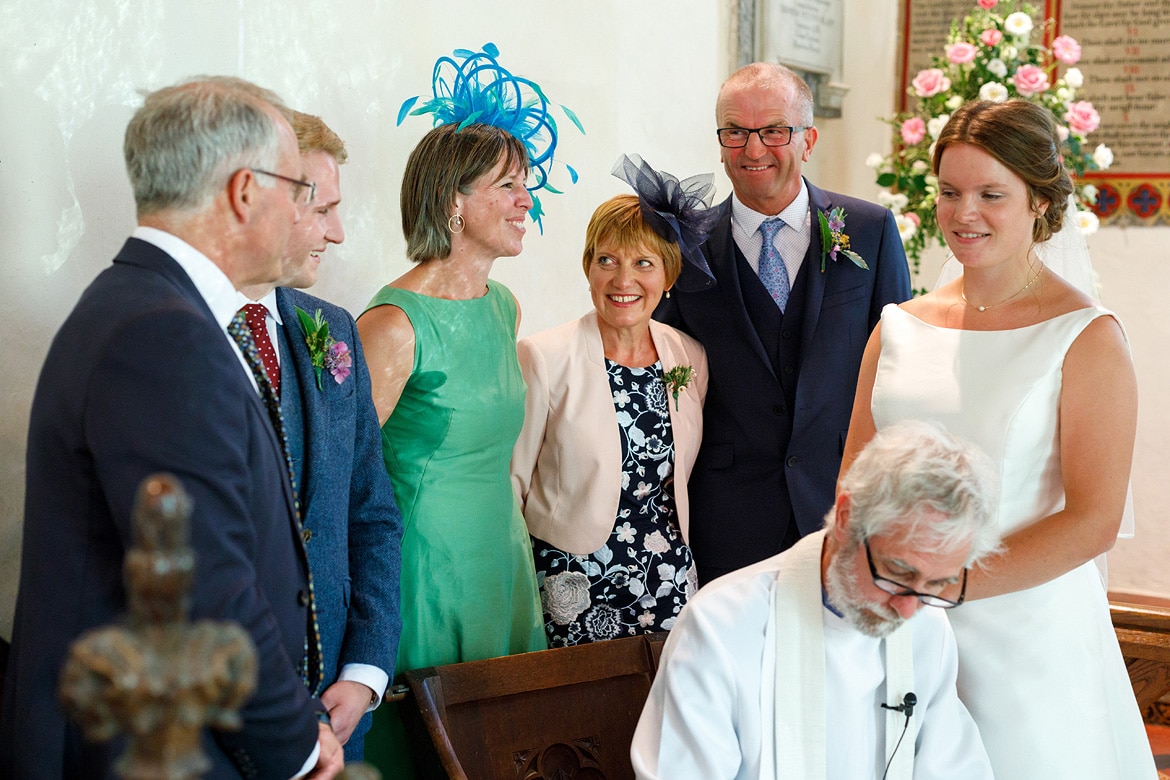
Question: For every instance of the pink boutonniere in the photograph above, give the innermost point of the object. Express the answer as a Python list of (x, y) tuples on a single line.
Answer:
[(834, 239), (324, 351)]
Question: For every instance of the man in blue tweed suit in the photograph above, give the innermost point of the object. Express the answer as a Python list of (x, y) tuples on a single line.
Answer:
[(352, 526)]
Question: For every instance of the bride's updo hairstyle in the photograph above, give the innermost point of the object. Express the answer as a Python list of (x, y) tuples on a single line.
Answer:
[(1022, 136)]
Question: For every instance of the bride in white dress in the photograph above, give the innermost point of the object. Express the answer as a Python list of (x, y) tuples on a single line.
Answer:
[(1014, 358)]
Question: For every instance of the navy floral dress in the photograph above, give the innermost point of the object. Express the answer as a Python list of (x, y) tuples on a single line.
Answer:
[(640, 579)]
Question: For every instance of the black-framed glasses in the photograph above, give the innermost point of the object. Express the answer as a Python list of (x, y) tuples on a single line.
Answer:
[(738, 137), (311, 186), (898, 589)]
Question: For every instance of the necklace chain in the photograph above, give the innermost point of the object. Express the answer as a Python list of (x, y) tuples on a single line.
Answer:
[(963, 293)]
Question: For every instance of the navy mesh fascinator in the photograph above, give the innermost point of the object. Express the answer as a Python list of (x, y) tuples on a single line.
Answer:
[(678, 211), (471, 87)]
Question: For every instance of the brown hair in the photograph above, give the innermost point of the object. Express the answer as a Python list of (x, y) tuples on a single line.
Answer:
[(619, 220), (313, 135), (1022, 136), (446, 160)]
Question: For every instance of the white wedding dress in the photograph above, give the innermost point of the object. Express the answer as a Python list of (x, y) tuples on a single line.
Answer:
[(1040, 669)]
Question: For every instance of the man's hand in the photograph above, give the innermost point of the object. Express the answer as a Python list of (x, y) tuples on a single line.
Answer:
[(347, 702), (331, 759)]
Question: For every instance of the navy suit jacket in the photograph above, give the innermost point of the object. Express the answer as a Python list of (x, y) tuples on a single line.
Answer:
[(762, 464), (141, 379), (353, 529)]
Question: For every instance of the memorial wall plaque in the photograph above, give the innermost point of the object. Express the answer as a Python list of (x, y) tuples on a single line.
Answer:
[(1125, 59)]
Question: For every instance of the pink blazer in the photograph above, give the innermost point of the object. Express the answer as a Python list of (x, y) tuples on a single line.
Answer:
[(566, 467)]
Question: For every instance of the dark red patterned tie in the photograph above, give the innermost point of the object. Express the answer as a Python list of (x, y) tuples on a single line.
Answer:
[(256, 315)]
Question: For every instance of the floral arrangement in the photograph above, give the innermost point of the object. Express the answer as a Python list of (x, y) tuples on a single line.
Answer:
[(835, 240), (989, 55), (324, 352), (677, 380)]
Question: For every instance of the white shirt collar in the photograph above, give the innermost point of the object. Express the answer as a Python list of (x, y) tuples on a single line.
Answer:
[(268, 302), (795, 214), (212, 283)]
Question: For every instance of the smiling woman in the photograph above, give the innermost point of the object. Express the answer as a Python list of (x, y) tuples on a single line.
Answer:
[(440, 343), (612, 425)]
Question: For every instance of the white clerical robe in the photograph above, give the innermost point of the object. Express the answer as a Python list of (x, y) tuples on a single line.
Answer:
[(711, 713)]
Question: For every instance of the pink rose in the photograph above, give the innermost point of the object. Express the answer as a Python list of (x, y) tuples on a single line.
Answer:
[(991, 37), (1066, 49), (961, 53), (930, 82), (987, 4), (1082, 118), (914, 217), (913, 130), (1030, 80)]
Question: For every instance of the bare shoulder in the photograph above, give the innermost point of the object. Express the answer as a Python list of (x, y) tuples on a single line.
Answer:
[(384, 326)]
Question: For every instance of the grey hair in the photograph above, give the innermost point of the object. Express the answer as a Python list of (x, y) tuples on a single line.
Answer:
[(911, 467), (186, 140), (773, 75)]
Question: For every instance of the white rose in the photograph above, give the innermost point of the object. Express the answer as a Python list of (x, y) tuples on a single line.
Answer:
[(1010, 53), (1064, 94), (1089, 192), (997, 67), (1018, 24), (1062, 133), (954, 101), (1103, 156), (906, 227), (1074, 78), (1088, 223), (885, 198), (565, 596), (874, 161), (993, 91), (919, 166), (900, 202), (935, 125)]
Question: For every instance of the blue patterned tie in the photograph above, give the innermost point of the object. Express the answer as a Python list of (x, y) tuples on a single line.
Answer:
[(239, 331), (773, 273)]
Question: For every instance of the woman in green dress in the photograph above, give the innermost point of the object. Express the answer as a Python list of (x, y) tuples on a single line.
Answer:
[(441, 346)]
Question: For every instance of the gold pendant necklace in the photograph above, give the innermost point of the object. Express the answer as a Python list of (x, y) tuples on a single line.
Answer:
[(963, 293)]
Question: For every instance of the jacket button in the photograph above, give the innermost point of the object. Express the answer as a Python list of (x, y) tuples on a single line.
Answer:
[(791, 460), (786, 333), (787, 369), (303, 598), (307, 535), (779, 410)]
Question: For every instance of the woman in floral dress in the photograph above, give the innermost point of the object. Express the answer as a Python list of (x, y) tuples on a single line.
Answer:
[(613, 421)]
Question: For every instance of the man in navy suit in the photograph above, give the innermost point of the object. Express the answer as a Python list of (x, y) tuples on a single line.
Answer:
[(353, 529), (784, 325), (144, 377)]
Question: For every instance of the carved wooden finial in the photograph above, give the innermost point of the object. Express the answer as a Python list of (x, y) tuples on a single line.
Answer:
[(159, 680)]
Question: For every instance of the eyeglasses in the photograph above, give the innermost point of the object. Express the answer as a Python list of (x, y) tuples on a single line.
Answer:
[(897, 589), (300, 184), (738, 137)]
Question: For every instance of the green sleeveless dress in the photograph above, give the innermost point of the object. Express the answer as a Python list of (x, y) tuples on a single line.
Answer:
[(468, 583)]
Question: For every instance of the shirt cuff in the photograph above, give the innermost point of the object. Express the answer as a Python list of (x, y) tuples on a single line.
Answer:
[(370, 676), (311, 763)]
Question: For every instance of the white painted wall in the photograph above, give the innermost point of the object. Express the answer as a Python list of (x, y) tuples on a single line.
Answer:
[(641, 75)]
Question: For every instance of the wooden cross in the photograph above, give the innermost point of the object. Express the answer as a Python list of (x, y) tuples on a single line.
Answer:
[(159, 680)]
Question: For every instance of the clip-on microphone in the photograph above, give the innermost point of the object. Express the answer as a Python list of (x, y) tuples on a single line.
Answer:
[(907, 705)]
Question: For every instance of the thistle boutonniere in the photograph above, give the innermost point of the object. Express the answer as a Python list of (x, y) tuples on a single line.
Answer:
[(677, 380), (324, 352), (834, 239)]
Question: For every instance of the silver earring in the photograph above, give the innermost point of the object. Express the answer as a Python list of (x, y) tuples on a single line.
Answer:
[(455, 224)]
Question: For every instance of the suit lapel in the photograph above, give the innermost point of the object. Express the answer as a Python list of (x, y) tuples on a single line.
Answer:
[(300, 401), (722, 256), (814, 294)]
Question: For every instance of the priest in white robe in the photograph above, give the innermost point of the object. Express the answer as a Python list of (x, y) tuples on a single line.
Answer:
[(821, 662)]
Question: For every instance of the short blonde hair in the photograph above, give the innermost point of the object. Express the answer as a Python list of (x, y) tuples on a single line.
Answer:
[(619, 220), (313, 135)]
